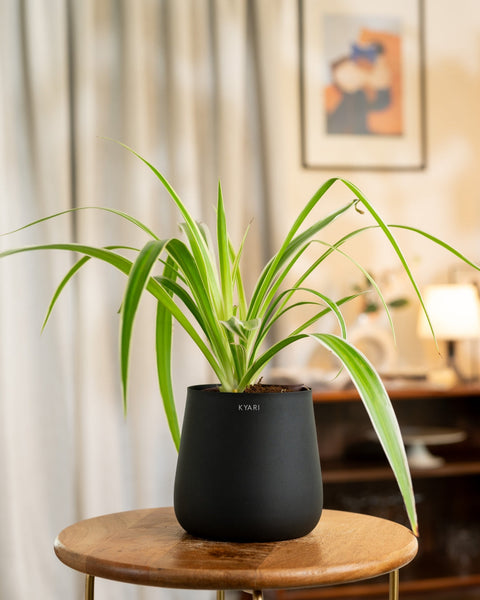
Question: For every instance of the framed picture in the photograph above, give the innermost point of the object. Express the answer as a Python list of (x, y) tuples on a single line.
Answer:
[(362, 84)]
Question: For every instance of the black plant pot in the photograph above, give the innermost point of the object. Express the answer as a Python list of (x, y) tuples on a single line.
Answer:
[(248, 467)]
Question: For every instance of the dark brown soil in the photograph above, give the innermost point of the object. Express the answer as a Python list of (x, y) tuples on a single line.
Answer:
[(262, 388), (266, 388)]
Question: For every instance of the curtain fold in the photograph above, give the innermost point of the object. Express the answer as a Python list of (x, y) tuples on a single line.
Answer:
[(176, 80), (37, 440)]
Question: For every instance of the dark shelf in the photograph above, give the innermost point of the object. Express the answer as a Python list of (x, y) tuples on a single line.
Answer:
[(342, 471), (460, 460), (400, 392), (369, 590)]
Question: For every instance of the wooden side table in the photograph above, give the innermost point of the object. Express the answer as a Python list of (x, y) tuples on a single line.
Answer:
[(148, 547)]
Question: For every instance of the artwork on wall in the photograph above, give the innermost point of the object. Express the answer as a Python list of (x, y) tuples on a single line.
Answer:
[(362, 84)]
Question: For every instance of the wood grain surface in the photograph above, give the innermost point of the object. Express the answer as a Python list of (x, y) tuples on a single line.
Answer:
[(148, 547)]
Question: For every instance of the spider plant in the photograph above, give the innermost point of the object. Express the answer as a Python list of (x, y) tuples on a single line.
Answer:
[(200, 285)]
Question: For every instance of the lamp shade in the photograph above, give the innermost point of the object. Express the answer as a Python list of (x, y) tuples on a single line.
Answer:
[(454, 312)]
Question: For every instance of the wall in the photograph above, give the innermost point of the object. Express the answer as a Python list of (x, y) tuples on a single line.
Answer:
[(442, 199)]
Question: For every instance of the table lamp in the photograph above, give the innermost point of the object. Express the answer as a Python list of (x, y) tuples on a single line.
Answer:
[(454, 312)]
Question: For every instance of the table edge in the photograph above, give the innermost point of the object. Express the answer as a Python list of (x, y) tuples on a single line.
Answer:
[(240, 579)]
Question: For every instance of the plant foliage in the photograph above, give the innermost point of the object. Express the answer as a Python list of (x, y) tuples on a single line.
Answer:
[(200, 286)]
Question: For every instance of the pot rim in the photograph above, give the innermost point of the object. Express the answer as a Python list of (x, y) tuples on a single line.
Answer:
[(291, 389)]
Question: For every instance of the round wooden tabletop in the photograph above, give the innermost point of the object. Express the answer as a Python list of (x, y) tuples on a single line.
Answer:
[(148, 547)]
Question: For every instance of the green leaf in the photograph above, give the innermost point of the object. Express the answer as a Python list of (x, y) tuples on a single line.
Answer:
[(441, 243), (224, 257), (241, 328), (398, 303), (307, 235), (204, 304), (71, 272), (182, 294), (78, 208), (237, 276), (163, 348), (153, 286), (381, 413), (331, 305), (137, 282), (116, 260), (270, 271), (393, 242), (198, 245), (258, 362)]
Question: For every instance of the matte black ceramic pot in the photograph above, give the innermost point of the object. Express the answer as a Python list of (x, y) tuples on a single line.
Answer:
[(248, 466)]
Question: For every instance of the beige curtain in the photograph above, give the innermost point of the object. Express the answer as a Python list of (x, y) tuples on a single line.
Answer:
[(184, 83), (37, 394)]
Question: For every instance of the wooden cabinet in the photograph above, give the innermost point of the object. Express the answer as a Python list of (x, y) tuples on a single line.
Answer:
[(358, 478)]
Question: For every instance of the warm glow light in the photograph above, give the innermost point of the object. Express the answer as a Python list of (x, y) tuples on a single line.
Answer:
[(454, 311)]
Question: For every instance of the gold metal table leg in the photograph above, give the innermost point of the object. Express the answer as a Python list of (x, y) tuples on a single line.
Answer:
[(256, 594), (220, 594), (89, 587), (393, 585)]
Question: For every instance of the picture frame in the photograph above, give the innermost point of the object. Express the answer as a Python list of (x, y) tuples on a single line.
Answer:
[(362, 84)]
